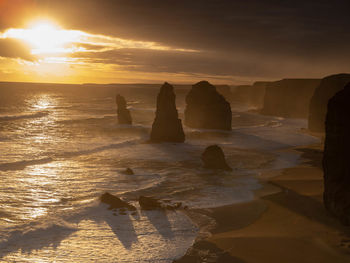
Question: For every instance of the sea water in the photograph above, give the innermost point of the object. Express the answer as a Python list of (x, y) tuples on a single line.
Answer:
[(61, 147)]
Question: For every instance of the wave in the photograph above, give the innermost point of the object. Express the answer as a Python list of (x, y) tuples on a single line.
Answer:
[(89, 119), (24, 116), (98, 149), (20, 165)]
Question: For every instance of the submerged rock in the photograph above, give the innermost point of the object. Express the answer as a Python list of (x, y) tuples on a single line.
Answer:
[(115, 202), (213, 158), (167, 126), (206, 108), (124, 116), (328, 87), (149, 203), (336, 158), (128, 171)]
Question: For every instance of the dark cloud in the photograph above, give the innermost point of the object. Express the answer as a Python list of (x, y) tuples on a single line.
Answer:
[(276, 38), (11, 48), (211, 63)]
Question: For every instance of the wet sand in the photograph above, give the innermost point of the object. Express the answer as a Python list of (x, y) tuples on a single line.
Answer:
[(288, 226)]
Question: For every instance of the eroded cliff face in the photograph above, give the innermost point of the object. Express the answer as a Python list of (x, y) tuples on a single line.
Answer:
[(252, 95), (167, 126), (289, 98), (336, 158), (318, 105), (206, 108), (124, 116)]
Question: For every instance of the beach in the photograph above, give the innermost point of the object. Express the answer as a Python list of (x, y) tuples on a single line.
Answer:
[(290, 225)]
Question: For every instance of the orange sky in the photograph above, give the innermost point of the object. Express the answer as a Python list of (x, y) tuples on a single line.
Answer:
[(76, 41)]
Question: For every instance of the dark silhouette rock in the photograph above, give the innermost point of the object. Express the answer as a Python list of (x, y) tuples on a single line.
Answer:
[(167, 126), (115, 202), (336, 158), (213, 158), (128, 171), (206, 108), (328, 87), (289, 98), (225, 90), (124, 116), (149, 203)]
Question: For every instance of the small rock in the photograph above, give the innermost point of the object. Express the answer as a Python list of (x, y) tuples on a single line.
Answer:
[(115, 202), (128, 171), (213, 158), (149, 203)]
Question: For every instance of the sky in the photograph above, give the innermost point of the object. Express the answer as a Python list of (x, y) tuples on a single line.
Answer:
[(181, 41)]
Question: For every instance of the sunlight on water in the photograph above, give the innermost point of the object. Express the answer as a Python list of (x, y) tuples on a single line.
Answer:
[(62, 149), (42, 102)]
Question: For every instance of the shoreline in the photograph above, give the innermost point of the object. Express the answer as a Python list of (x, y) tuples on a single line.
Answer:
[(289, 224)]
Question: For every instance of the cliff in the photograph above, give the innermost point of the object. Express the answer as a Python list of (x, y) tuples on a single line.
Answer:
[(252, 95), (336, 158), (318, 106), (289, 98)]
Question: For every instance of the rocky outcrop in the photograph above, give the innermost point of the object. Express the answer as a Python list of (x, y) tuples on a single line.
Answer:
[(206, 108), (318, 106), (128, 171), (336, 158), (115, 202), (167, 126), (213, 158), (289, 98), (124, 116), (149, 203)]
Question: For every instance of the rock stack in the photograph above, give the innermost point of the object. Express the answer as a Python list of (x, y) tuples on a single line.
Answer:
[(328, 87), (124, 116), (206, 108), (213, 158), (336, 158), (167, 126)]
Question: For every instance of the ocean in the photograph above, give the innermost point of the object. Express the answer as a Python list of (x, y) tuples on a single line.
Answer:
[(61, 147)]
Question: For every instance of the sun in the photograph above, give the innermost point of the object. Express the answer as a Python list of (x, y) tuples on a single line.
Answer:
[(45, 37)]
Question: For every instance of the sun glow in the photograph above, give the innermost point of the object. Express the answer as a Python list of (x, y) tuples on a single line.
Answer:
[(46, 37)]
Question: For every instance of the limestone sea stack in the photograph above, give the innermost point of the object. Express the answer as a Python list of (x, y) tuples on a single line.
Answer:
[(336, 158), (167, 126), (328, 87), (206, 108), (213, 158), (124, 116)]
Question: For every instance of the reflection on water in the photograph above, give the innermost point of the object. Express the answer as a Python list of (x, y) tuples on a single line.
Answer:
[(61, 149), (42, 101)]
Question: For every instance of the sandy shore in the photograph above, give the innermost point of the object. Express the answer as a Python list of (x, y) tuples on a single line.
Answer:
[(288, 226)]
